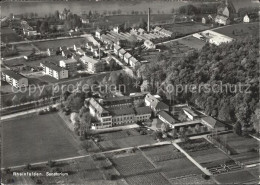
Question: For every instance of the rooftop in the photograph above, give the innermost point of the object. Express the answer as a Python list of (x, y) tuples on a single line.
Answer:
[(190, 111), (53, 66), (213, 122), (13, 75), (167, 117), (120, 112), (143, 110), (70, 60)]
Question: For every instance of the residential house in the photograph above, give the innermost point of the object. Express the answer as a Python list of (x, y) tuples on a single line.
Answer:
[(14, 79), (92, 65), (80, 52), (155, 103), (122, 52), (51, 52), (205, 20), (54, 70), (70, 65), (116, 49), (99, 53), (213, 124), (134, 63), (250, 17), (66, 53), (93, 48), (127, 57), (166, 118), (98, 33), (89, 45), (222, 20), (190, 113)]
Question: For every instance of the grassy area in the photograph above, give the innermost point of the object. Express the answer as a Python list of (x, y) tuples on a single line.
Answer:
[(237, 177), (186, 28), (36, 139), (240, 30), (9, 35), (43, 46), (192, 42)]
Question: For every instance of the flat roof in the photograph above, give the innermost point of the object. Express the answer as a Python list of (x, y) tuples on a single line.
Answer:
[(120, 112), (53, 66)]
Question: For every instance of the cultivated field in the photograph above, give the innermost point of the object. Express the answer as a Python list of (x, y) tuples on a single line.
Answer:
[(237, 177), (123, 139), (192, 42), (240, 30), (43, 46), (36, 139)]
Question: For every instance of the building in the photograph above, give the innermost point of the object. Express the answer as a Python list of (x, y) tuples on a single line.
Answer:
[(70, 65), (116, 49), (216, 38), (92, 65), (138, 98), (66, 53), (103, 116), (134, 63), (155, 104), (166, 118), (127, 57), (250, 17), (123, 116), (122, 52), (117, 101), (54, 70), (143, 113), (149, 44), (222, 20), (89, 45), (190, 113), (213, 124), (14, 79), (98, 33), (51, 52), (205, 20)]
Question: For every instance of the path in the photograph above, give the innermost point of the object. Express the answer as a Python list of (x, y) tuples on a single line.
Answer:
[(192, 160)]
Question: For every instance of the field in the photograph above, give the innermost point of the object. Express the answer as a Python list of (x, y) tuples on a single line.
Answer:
[(243, 146), (191, 179), (171, 162), (9, 35), (136, 169), (240, 30), (186, 28), (43, 46), (237, 177), (36, 139), (123, 139), (192, 42)]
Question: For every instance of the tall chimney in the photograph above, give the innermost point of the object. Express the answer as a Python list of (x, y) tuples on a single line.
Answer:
[(148, 22)]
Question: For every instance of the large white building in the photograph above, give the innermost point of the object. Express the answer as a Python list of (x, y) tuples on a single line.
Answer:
[(14, 79), (54, 70), (216, 38), (92, 65), (70, 65)]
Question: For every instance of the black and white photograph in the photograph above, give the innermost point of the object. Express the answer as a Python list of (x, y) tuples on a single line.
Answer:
[(129, 92)]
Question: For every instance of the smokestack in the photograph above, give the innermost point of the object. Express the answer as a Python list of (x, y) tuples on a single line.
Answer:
[(148, 22)]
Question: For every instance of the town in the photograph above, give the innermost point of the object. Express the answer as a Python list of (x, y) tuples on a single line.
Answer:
[(131, 97)]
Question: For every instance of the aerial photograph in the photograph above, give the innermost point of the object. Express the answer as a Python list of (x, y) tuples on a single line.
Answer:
[(130, 92)]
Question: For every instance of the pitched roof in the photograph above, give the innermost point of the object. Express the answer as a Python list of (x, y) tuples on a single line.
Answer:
[(128, 55), (86, 59), (97, 106), (133, 59), (122, 51), (117, 47), (161, 106), (53, 66), (143, 110), (70, 60), (213, 122), (167, 117), (120, 112), (119, 98), (190, 111), (13, 75)]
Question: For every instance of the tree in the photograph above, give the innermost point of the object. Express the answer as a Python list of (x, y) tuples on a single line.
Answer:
[(237, 128), (197, 128), (74, 117), (56, 14), (44, 27)]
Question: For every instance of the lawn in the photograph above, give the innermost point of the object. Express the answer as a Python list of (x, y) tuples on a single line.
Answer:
[(240, 30), (43, 46), (9, 35), (36, 139), (237, 177), (186, 28)]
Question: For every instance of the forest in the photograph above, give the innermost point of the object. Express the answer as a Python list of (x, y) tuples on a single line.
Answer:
[(231, 65)]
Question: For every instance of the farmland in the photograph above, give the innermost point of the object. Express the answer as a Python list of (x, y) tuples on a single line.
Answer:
[(240, 30), (9, 35), (237, 177), (123, 139), (192, 42), (36, 139), (44, 45)]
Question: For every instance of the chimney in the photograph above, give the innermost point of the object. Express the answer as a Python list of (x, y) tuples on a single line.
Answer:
[(148, 22)]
